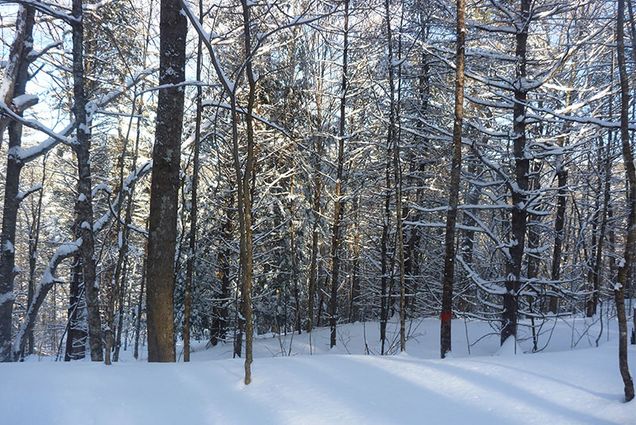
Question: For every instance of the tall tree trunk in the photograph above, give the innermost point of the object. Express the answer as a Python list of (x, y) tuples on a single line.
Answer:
[(140, 304), (106, 278), (121, 271), (189, 283), (34, 239), (394, 163), (315, 209), (76, 334), (339, 195), (162, 232), (220, 311), (559, 222), (354, 292), (84, 204), (559, 227), (121, 278), (129, 207), (598, 262), (293, 242), (534, 241), (245, 198), (518, 217), (630, 237), (385, 286), (399, 208), (19, 63), (453, 196), (418, 166)]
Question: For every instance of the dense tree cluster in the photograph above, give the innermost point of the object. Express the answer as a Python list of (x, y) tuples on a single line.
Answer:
[(313, 163)]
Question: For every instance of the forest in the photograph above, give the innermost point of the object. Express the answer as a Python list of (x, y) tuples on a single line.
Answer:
[(381, 180)]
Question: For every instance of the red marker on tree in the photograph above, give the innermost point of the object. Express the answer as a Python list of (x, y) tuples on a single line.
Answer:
[(445, 316)]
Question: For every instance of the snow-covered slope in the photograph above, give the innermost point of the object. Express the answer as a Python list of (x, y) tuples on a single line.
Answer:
[(569, 387)]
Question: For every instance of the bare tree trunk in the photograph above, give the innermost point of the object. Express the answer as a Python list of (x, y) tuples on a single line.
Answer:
[(106, 278), (399, 208), (245, 198), (34, 238), (77, 334), (189, 283), (518, 218), (121, 271), (122, 277), (534, 243), (116, 285), (598, 236), (19, 62), (293, 242), (412, 258), (394, 162), (455, 179), (467, 245), (162, 232), (84, 204), (140, 304), (605, 216), (313, 265), (339, 195), (354, 292), (630, 237), (559, 222), (321, 302), (385, 287), (220, 312)]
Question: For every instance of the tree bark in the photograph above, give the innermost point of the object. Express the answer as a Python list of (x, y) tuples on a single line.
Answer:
[(189, 283), (34, 239), (315, 209), (19, 63), (518, 217), (245, 198), (76, 334), (162, 231), (84, 203), (453, 196), (630, 237), (339, 195), (220, 312)]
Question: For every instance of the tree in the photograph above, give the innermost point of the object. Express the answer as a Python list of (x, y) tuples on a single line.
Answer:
[(336, 230), (84, 204), (453, 197), (17, 77), (624, 271), (187, 302), (162, 231)]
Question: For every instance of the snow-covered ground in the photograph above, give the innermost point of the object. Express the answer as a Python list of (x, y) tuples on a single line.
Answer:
[(563, 386)]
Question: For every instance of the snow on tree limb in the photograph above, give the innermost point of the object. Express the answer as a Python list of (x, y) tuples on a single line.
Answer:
[(244, 112), (63, 252), (45, 8), (29, 154), (228, 84), (22, 195), (46, 283), (31, 123)]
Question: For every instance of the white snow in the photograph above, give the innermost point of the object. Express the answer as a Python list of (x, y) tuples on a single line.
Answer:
[(8, 247), (7, 297), (509, 348), (568, 387), (26, 99)]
